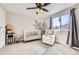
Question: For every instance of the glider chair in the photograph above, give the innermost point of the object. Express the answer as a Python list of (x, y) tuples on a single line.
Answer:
[(48, 37)]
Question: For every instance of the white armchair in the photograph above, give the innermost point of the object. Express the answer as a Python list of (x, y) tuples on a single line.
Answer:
[(48, 38)]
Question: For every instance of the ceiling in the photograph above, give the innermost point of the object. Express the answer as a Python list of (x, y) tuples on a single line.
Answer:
[(21, 8)]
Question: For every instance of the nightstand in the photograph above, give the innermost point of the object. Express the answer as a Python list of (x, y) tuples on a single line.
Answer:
[(10, 38)]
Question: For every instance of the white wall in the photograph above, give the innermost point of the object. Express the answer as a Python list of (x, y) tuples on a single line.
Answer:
[(77, 17), (47, 21), (21, 22)]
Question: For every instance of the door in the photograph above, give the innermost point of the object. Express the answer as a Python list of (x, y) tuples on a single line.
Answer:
[(2, 28)]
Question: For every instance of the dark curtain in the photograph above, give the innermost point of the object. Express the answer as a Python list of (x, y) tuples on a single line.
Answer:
[(73, 31), (50, 22)]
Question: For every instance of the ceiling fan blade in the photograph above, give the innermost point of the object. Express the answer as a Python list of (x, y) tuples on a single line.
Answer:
[(46, 4), (44, 9), (37, 4), (40, 4), (32, 8)]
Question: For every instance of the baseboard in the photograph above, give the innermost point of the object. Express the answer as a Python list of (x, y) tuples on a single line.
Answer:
[(27, 41)]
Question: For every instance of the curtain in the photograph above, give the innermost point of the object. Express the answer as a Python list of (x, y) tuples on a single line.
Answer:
[(73, 30), (50, 22)]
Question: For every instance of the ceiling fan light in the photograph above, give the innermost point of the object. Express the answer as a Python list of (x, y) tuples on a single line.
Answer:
[(38, 10), (41, 10)]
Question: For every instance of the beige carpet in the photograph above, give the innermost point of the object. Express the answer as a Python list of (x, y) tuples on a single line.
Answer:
[(37, 48)]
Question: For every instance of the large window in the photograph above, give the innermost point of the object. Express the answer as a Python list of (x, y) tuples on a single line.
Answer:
[(61, 22)]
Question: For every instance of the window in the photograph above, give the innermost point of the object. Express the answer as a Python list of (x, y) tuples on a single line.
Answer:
[(56, 23), (65, 21), (61, 22)]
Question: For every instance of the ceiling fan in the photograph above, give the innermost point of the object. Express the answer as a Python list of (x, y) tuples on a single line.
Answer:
[(40, 7)]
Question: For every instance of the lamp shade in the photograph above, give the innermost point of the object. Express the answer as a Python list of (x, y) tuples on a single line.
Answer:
[(9, 26)]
